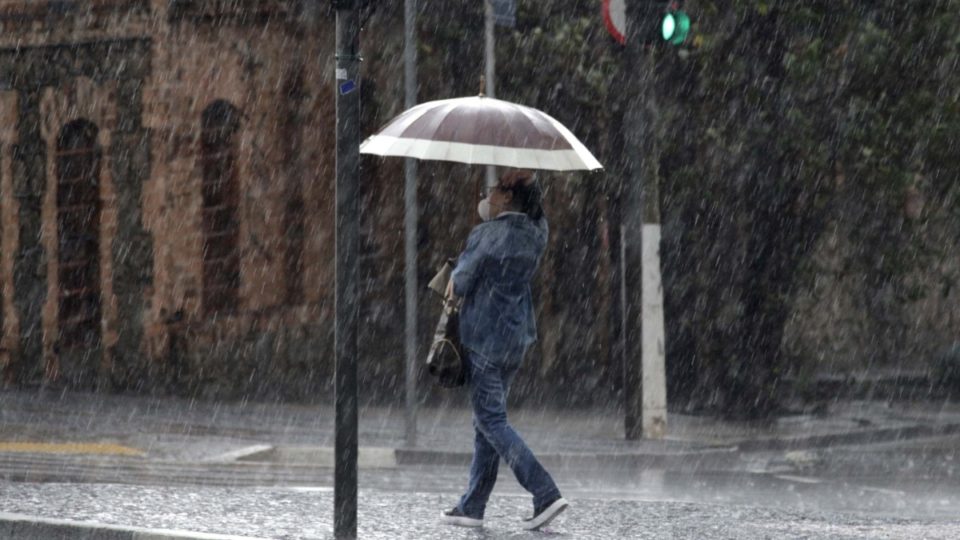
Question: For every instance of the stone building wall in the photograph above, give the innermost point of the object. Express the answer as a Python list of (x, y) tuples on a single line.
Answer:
[(141, 74), (276, 338), (63, 84), (144, 73)]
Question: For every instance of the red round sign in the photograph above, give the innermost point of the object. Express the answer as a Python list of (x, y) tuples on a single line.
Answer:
[(615, 19)]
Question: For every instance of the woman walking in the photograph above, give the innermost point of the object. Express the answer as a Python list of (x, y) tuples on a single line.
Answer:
[(497, 327)]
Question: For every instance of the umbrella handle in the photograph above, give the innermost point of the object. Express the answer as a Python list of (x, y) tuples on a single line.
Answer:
[(483, 84)]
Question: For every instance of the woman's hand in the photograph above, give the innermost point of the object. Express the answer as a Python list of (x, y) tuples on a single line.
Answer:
[(449, 294)]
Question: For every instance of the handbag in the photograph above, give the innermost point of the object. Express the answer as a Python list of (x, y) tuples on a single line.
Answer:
[(446, 361)]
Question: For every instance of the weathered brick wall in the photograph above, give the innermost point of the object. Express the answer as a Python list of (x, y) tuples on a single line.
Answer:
[(273, 63), (278, 337), (61, 65), (8, 229), (143, 73)]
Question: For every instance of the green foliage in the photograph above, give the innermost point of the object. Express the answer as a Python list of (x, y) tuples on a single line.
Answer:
[(778, 121), (801, 114)]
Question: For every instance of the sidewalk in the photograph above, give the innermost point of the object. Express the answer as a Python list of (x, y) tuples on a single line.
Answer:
[(177, 429), (131, 430)]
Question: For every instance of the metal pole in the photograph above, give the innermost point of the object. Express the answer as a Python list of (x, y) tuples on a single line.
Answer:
[(347, 247), (644, 356), (630, 256), (635, 124), (617, 177), (489, 51), (490, 69), (410, 225)]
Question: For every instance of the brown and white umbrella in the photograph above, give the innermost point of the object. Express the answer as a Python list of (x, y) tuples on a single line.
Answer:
[(482, 131)]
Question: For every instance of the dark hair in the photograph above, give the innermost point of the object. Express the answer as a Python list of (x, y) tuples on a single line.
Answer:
[(528, 198)]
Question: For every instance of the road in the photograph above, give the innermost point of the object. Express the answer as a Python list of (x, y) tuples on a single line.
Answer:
[(164, 464), (404, 502)]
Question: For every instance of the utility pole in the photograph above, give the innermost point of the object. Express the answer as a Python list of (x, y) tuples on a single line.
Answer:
[(410, 225), (643, 324), (490, 68), (347, 220), (489, 48)]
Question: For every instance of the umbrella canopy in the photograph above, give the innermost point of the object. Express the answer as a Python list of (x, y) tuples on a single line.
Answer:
[(482, 131)]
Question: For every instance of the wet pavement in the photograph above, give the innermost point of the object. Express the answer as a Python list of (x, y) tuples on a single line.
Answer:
[(862, 470), (302, 513), (184, 430)]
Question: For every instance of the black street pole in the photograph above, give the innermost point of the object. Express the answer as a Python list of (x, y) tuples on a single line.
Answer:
[(635, 72), (618, 172), (347, 242)]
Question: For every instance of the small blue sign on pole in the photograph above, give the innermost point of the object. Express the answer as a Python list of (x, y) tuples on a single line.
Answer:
[(504, 12), (346, 87)]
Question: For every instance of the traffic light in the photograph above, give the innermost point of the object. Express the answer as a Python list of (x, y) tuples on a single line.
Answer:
[(662, 21), (652, 21), (675, 25)]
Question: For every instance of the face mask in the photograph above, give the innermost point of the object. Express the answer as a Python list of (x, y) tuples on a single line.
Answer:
[(483, 208)]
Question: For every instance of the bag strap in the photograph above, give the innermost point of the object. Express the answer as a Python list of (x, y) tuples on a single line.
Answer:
[(451, 305)]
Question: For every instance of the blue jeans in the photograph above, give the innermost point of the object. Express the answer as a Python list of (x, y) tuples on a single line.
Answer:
[(494, 438)]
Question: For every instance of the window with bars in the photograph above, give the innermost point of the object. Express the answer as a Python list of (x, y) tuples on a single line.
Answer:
[(294, 221), (220, 124), (78, 232)]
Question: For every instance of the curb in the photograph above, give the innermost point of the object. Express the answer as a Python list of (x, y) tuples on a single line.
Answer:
[(710, 458), (368, 457), (838, 439), (240, 454), (35, 527), (714, 457), (379, 457)]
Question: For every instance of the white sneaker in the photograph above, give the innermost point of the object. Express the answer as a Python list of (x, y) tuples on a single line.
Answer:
[(545, 515), (455, 517)]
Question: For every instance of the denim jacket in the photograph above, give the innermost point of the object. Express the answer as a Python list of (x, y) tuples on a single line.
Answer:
[(493, 277)]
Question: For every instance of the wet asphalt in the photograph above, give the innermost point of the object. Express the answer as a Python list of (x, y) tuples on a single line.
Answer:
[(405, 502), (293, 512), (903, 488)]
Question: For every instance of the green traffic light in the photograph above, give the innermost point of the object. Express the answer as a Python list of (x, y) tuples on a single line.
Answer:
[(675, 27)]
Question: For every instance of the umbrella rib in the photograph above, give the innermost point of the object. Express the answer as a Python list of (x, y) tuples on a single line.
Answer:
[(576, 146), (442, 117), (534, 117), (402, 122)]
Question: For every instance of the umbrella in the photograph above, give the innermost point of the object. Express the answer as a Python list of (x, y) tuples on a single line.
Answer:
[(482, 131)]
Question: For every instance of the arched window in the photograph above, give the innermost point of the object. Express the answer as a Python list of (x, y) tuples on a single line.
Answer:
[(78, 232), (219, 126)]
